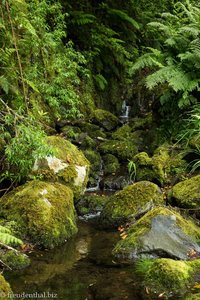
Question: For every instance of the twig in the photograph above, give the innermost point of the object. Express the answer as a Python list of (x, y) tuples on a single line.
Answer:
[(4, 264)]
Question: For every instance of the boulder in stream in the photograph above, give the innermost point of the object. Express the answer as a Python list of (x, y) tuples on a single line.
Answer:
[(5, 290), (131, 202), (186, 193), (68, 165), (172, 278), (161, 232), (43, 212)]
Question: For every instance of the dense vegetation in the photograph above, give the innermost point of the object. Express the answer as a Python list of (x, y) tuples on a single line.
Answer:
[(61, 59)]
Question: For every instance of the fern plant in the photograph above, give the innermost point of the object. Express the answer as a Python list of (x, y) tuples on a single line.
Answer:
[(7, 238), (177, 62)]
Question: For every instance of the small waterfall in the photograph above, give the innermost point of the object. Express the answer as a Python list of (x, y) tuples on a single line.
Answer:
[(125, 112)]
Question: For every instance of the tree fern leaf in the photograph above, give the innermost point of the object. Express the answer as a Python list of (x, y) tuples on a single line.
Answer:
[(101, 81), (161, 27), (8, 239), (168, 15), (3, 229), (81, 18), (146, 60), (124, 16), (190, 30)]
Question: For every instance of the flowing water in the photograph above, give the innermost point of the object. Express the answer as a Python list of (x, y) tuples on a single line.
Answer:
[(81, 269)]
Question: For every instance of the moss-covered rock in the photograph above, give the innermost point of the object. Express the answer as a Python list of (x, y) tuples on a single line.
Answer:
[(71, 132), (122, 133), (160, 232), (123, 150), (131, 201), (88, 142), (14, 259), (43, 212), (164, 167), (92, 130), (171, 277), (105, 119), (111, 164), (69, 166), (91, 204), (187, 193), (95, 166), (5, 290), (141, 123)]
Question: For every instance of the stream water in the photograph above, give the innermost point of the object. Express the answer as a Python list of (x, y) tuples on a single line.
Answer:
[(81, 269)]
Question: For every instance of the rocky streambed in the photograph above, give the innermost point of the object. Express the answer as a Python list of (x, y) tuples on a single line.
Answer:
[(141, 242)]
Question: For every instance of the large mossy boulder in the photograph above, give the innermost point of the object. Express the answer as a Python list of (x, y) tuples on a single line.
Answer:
[(164, 167), (132, 201), (105, 119), (186, 193), (160, 233), (172, 278), (5, 290), (68, 166), (43, 212)]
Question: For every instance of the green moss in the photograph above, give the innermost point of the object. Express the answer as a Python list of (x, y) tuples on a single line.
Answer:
[(122, 133), (66, 151), (91, 204), (143, 225), (44, 212), (169, 276), (111, 164), (105, 119), (14, 259), (130, 201), (187, 192), (95, 164), (141, 123), (92, 130), (88, 142), (165, 166), (5, 290), (71, 132), (142, 159), (123, 150)]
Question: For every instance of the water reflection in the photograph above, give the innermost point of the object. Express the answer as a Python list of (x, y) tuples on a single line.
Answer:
[(81, 269)]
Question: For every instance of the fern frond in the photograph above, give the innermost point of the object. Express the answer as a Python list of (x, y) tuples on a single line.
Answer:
[(169, 15), (7, 238), (162, 27), (170, 42), (101, 81), (190, 30), (174, 76), (146, 60), (124, 16), (80, 18)]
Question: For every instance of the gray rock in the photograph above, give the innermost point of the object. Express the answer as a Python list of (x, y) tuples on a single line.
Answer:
[(166, 239)]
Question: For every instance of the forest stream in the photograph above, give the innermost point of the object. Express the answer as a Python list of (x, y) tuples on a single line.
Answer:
[(81, 269)]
